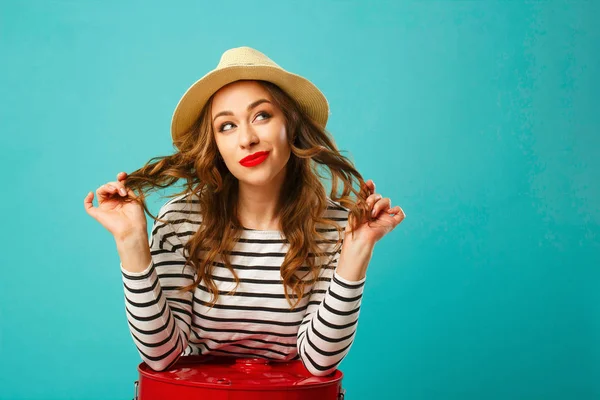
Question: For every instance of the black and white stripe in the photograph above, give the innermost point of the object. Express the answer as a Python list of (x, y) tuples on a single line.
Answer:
[(253, 322)]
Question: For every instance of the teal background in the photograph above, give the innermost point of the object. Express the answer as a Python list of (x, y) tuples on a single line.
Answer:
[(479, 118)]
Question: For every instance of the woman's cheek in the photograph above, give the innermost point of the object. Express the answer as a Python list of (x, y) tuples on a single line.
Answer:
[(283, 134)]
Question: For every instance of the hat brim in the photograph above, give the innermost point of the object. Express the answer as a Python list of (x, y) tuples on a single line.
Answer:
[(308, 96)]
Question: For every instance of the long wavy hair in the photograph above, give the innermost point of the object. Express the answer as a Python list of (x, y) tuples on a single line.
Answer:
[(302, 201)]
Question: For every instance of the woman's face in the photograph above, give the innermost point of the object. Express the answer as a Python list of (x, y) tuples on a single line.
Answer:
[(245, 122)]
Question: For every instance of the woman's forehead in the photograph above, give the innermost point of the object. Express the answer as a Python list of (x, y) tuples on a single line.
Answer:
[(238, 95)]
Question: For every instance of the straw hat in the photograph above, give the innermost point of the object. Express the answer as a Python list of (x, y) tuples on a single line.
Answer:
[(247, 63)]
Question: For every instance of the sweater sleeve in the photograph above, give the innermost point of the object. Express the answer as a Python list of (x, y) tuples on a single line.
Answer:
[(330, 323), (159, 316)]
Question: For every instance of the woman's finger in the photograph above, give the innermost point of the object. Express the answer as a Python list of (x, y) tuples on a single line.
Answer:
[(398, 214), (382, 204), (88, 204), (112, 189), (120, 188), (393, 210), (104, 192), (122, 177), (370, 186), (372, 199)]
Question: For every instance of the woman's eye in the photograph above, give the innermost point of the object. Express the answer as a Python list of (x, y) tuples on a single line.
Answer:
[(222, 128), (227, 126), (263, 114)]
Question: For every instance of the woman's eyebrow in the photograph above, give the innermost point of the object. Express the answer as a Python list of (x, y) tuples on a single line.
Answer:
[(250, 107)]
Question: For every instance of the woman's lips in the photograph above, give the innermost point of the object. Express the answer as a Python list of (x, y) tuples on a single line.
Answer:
[(255, 160)]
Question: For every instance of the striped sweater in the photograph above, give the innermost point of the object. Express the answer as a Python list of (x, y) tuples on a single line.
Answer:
[(255, 321)]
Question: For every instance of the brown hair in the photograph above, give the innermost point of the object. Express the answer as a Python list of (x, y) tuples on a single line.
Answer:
[(303, 199)]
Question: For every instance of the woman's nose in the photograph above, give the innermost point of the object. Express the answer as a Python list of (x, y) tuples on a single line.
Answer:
[(247, 136)]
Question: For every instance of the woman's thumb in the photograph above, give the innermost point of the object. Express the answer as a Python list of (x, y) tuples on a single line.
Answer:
[(89, 205)]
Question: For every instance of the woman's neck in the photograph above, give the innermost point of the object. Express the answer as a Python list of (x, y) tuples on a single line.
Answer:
[(257, 207)]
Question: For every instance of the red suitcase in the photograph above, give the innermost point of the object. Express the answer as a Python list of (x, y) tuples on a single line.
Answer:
[(224, 378)]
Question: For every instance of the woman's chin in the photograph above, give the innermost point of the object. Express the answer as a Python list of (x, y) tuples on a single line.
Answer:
[(256, 179), (263, 175), (265, 178)]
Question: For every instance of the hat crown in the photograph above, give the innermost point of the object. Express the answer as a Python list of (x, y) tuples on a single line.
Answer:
[(244, 56), (246, 63)]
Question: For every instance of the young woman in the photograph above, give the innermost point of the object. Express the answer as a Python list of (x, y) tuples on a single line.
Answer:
[(252, 258)]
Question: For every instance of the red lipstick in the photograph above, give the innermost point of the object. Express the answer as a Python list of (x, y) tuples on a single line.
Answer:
[(254, 159)]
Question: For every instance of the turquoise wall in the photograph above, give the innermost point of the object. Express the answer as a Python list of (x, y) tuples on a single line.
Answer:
[(479, 118)]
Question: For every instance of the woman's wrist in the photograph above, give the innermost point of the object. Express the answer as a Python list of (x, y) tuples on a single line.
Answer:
[(131, 240), (134, 251), (354, 259)]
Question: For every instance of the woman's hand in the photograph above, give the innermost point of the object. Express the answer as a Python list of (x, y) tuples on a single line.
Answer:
[(383, 219), (118, 209)]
